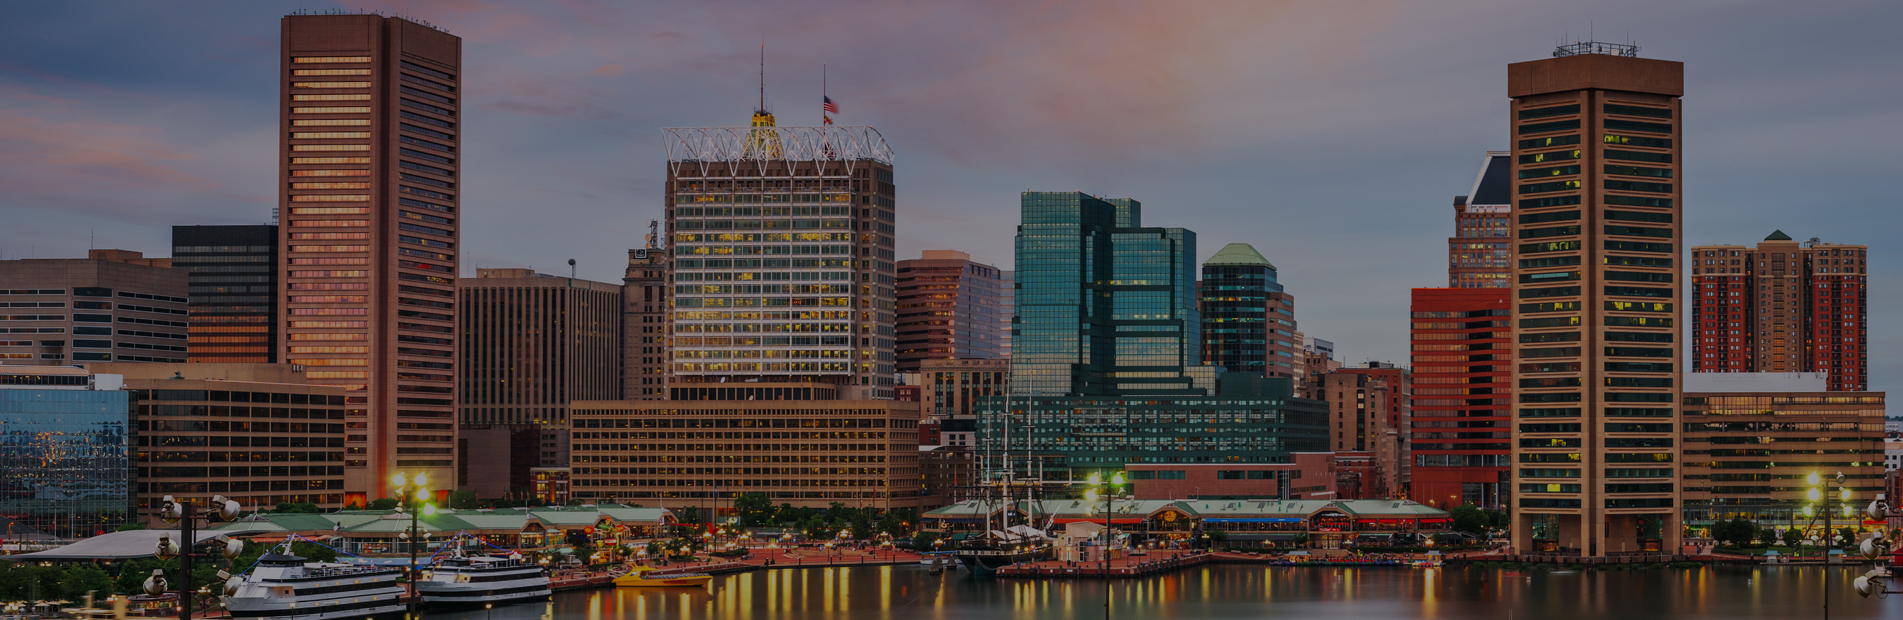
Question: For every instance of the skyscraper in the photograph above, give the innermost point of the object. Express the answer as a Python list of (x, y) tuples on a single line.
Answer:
[(783, 264), (234, 291), (1478, 253), (947, 309), (370, 234), (1248, 320), (644, 293), (1782, 307), (113, 305), (1596, 148), (1105, 306), (1462, 421)]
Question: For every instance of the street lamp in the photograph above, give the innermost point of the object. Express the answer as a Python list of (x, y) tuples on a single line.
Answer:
[(407, 490), (1820, 491), (1109, 494), (184, 514)]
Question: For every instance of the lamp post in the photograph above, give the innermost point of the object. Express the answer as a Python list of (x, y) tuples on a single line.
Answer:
[(1109, 494), (1820, 491), (182, 513), (407, 490)]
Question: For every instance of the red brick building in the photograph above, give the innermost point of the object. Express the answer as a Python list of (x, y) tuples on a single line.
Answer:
[(1461, 423), (1783, 306)]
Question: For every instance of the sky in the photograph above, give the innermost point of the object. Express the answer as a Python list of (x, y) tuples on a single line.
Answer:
[(1332, 136)]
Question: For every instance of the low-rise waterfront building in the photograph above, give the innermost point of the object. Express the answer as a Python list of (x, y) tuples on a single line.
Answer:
[(1751, 439), (1326, 524)]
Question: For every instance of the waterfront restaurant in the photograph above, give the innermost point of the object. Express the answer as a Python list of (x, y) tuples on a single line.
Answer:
[(378, 531), (1328, 524)]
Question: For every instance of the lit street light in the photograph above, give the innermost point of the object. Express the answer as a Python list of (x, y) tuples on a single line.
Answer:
[(407, 491)]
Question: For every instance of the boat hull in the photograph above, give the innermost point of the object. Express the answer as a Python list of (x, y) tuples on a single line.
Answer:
[(986, 562), (446, 597), (684, 581)]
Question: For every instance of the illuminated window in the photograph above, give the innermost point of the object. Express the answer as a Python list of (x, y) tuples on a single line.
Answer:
[(331, 198), (330, 84), (330, 186), (330, 147), (304, 72), (329, 248), (328, 59), (326, 299), (323, 135), (361, 97), (330, 173), (330, 160), (330, 210)]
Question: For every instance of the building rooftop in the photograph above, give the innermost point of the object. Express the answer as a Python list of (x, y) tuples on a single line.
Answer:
[(1494, 185), (1778, 235), (1707, 382), (1238, 254)]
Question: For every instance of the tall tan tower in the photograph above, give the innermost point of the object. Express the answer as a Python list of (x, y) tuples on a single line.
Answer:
[(1596, 167), (370, 235)]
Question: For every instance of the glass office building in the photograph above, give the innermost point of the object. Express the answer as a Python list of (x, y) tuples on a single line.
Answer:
[(65, 453), (1248, 320), (1105, 306)]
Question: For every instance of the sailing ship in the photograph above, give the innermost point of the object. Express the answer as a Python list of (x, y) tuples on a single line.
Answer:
[(1008, 544)]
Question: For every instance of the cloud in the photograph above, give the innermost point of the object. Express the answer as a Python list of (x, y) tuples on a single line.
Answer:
[(56, 153)]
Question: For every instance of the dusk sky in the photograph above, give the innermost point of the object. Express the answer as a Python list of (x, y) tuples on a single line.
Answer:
[(1333, 136)]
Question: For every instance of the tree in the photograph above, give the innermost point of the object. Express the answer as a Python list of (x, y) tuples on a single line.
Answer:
[(464, 500), (387, 503), (1791, 537), (1470, 519), (131, 525), (1768, 536), (1735, 532), (299, 508), (755, 509)]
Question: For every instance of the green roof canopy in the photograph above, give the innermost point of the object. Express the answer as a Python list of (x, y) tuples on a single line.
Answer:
[(1239, 254), (1778, 235)]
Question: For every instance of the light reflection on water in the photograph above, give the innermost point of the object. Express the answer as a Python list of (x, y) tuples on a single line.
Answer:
[(1235, 591)]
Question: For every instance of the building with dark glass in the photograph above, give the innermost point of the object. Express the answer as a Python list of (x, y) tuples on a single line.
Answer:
[(1248, 319), (232, 271), (947, 309), (65, 451), (1105, 306)]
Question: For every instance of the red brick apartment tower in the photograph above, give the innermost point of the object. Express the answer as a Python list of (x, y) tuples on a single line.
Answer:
[(1597, 152), (1462, 421), (1782, 307), (369, 237)]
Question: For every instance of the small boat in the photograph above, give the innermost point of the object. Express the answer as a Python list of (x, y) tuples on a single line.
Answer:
[(483, 580), (641, 576), (286, 587)]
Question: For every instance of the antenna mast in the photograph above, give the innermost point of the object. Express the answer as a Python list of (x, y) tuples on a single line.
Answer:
[(763, 77)]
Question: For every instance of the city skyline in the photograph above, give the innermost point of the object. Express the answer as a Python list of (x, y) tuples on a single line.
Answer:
[(86, 125)]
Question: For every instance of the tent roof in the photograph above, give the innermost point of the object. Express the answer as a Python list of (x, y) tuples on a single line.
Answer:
[(127, 545), (1239, 254)]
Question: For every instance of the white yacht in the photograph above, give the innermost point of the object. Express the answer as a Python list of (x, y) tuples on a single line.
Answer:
[(480, 580), (285, 587)]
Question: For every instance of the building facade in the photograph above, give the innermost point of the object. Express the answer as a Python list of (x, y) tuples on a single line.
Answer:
[(1479, 254), (1461, 428), (113, 305), (951, 388), (947, 309), (702, 454), (1596, 148), (68, 460), (1782, 307), (1369, 412), (233, 278), (1751, 439), (644, 290), (783, 255), (1307, 475), (1007, 311), (1248, 320), (254, 433), (1105, 306), (370, 234)]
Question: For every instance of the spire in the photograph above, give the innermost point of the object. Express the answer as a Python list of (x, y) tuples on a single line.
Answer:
[(762, 108)]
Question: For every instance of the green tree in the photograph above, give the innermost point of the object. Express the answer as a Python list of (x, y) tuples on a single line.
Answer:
[(922, 541), (464, 500), (1767, 536), (756, 509), (1734, 532), (1791, 537), (80, 579), (130, 525), (387, 503), (298, 508), (1470, 519)]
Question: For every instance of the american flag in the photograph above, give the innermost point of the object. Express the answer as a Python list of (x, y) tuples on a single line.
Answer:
[(830, 106), (827, 110)]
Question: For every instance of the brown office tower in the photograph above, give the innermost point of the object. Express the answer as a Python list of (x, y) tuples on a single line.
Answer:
[(1596, 150), (948, 309), (1751, 440), (113, 305), (644, 290), (530, 344), (782, 257), (369, 235), (234, 291), (256, 433), (1479, 251), (1462, 423), (1368, 411), (1782, 307)]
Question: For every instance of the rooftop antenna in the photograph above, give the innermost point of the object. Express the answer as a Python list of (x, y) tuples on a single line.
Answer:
[(571, 269), (762, 76)]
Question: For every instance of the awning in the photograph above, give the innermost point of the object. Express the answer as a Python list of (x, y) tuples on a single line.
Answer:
[(126, 545), (1437, 520), (1252, 520), (1119, 520)]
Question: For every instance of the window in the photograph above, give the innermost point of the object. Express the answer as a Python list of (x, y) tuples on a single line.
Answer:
[(1537, 158), (1633, 110), (426, 144), (330, 110), (423, 192), (407, 102), (1556, 186), (1560, 291), (427, 132), (1554, 231), (1550, 246), (331, 122), (424, 70), (1638, 216), (1619, 125), (1533, 173), (1560, 110), (417, 80), (423, 205), (1553, 126), (1639, 231), (1634, 246), (408, 115), (329, 59), (1635, 186), (362, 97), (426, 156), (1639, 171), (426, 95), (1659, 158), (1550, 216), (1540, 143)]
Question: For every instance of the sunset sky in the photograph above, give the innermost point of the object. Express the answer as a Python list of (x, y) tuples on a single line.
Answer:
[(1333, 136)]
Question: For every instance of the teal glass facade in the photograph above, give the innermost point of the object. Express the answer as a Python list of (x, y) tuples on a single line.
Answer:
[(65, 457), (1105, 306)]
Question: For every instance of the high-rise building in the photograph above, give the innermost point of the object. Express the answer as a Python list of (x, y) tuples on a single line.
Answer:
[(234, 291), (113, 305), (1783, 417), (1248, 320), (66, 468), (783, 263), (255, 433), (1007, 311), (947, 309), (1369, 411), (644, 321), (1105, 306), (369, 240), (1462, 426), (1596, 150), (1478, 255), (1782, 307)]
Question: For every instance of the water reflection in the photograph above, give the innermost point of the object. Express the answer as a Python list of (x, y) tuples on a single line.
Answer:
[(906, 592)]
